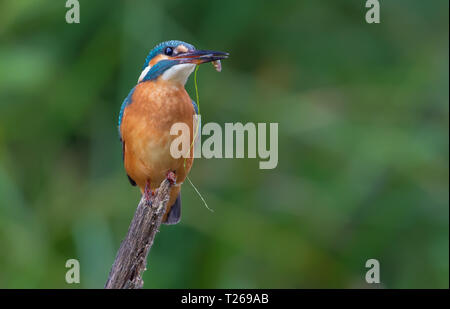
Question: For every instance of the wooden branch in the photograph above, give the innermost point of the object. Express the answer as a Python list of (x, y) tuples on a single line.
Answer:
[(131, 259)]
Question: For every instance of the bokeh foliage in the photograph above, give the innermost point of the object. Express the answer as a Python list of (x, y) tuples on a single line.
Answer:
[(363, 143)]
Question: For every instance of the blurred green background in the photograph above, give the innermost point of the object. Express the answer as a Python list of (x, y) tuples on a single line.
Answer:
[(363, 167)]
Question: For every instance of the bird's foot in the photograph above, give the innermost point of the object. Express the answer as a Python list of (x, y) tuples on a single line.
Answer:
[(148, 193), (171, 177)]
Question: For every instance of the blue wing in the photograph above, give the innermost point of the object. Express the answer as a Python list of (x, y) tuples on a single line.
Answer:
[(195, 106), (199, 118), (125, 103)]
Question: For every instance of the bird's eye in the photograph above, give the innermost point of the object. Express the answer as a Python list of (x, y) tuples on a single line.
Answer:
[(168, 51)]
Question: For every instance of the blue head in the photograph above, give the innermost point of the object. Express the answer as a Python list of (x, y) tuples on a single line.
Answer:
[(175, 61)]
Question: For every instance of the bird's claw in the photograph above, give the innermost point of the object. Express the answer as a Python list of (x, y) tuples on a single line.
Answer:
[(148, 193), (148, 202), (171, 177)]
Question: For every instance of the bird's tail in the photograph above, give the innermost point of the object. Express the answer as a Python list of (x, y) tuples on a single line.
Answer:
[(174, 215)]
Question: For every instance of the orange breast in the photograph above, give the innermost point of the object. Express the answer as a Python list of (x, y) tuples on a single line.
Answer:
[(145, 129)]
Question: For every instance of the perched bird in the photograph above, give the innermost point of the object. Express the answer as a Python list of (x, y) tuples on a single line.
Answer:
[(158, 101)]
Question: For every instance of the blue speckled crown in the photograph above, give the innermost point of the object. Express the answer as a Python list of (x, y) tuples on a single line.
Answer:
[(160, 49)]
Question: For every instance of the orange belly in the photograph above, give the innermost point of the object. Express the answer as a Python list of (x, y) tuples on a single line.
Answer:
[(145, 131)]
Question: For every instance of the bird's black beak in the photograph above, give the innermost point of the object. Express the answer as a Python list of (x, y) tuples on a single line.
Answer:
[(200, 56)]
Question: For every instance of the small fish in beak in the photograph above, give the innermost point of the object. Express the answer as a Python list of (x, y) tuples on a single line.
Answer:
[(217, 65)]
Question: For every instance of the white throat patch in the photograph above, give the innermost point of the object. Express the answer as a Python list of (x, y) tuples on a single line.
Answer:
[(178, 73)]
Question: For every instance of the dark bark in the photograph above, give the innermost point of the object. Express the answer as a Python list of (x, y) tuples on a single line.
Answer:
[(131, 259)]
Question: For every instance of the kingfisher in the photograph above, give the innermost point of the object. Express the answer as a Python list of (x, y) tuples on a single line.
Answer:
[(147, 114)]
